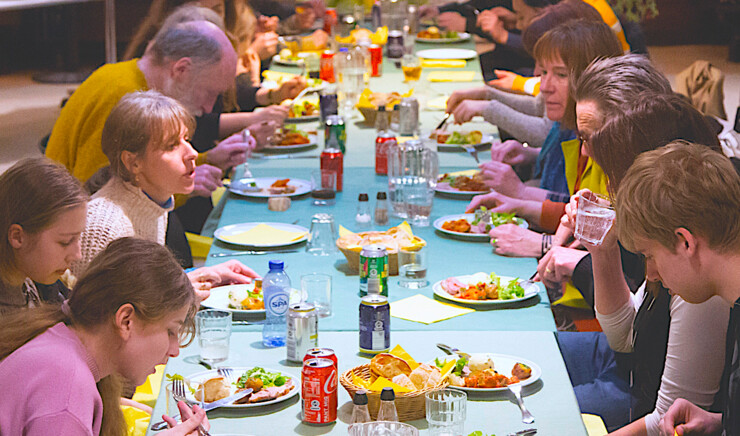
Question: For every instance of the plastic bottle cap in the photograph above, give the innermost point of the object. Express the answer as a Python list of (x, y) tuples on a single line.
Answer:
[(381, 196), (387, 394), (363, 197), (360, 398), (276, 264), (343, 49)]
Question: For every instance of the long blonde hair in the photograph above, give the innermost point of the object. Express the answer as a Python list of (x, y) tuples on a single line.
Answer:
[(33, 193), (129, 271)]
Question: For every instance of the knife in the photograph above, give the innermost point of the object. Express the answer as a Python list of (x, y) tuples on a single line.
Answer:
[(444, 121), (285, 156), (208, 406), (240, 253)]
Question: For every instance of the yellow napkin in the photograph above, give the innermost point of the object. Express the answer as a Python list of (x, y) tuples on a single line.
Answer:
[(425, 310), (263, 234), (398, 351), (594, 425), (451, 76), (439, 103), (443, 63), (383, 382), (277, 76)]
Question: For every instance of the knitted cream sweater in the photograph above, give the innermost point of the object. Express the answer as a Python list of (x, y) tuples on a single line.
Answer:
[(118, 210)]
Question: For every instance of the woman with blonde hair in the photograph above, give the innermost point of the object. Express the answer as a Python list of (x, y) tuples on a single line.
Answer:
[(145, 138), (44, 209), (62, 365)]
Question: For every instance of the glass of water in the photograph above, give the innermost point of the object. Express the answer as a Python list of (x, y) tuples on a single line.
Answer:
[(418, 196), (317, 290), (214, 332), (446, 410), (323, 235), (412, 268), (594, 218)]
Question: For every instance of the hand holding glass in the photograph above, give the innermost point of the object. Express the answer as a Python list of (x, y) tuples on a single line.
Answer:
[(594, 218)]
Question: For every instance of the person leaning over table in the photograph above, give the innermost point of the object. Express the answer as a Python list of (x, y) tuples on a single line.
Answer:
[(679, 206), (43, 216), (562, 53), (62, 365), (146, 140), (523, 117), (460, 16), (650, 352)]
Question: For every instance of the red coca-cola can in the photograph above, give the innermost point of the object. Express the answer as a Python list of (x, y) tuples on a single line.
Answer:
[(332, 160), (319, 391), (321, 353), (330, 19), (376, 60), (326, 66), (382, 142)]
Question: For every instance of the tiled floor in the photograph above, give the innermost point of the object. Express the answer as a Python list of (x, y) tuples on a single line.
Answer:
[(28, 109)]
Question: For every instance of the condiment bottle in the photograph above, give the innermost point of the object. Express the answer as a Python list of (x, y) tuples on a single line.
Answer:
[(381, 209), (387, 410), (360, 412), (363, 218)]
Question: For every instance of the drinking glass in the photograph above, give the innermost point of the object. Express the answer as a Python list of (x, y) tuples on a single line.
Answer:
[(317, 290), (383, 428), (412, 268), (446, 412), (411, 66), (323, 235), (418, 197), (323, 187), (594, 218), (214, 332)]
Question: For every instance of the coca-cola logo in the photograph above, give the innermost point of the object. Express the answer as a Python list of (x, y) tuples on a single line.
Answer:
[(330, 385)]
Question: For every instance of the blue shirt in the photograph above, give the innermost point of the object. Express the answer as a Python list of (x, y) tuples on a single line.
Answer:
[(550, 165)]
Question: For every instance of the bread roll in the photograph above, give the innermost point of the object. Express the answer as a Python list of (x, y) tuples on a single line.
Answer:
[(403, 380), (388, 366), (425, 376), (214, 389)]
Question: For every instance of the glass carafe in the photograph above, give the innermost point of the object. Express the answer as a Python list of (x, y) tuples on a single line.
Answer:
[(412, 176)]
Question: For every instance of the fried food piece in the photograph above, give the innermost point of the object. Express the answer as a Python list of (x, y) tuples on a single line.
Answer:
[(461, 226), (465, 183), (521, 371), (294, 138), (281, 183), (214, 389), (388, 366)]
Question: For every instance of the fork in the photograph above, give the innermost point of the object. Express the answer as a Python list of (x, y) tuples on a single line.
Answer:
[(178, 392), (225, 372), (516, 389), (471, 151)]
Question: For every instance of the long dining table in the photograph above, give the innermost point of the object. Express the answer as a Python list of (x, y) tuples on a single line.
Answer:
[(525, 329)]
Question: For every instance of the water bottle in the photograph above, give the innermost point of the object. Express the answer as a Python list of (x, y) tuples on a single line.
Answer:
[(275, 288), (387, 411)]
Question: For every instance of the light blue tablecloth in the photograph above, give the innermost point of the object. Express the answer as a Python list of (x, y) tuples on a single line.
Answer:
[(551, 400)]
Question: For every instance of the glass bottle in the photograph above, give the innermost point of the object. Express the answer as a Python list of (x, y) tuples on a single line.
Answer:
[(363, 219), (360, 412), (387, 410)]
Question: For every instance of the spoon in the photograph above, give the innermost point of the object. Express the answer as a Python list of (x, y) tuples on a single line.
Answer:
[(449, 350)]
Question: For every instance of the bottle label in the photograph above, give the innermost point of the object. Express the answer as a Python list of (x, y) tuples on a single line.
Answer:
[(277, 303)]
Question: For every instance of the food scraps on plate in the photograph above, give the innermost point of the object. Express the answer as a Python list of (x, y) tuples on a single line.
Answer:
[(465, 183), (480, 372), (482, 286), (266, 386), (483, 222)]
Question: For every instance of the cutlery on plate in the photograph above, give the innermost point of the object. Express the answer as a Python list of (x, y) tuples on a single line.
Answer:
[(526, 432), (471, 151), (241, 253), (516, 389), (284, 156), (444, 121), (449, 350), (178, 393)]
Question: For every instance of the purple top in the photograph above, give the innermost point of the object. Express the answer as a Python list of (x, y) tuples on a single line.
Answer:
[(49, 387)]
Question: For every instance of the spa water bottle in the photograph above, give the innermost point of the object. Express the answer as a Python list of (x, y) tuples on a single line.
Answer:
[(276, 289)]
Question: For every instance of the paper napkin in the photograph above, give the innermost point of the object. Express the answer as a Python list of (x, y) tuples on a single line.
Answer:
[(451, 76), (439, 103), (443, 63), (425, 310), (263, 234)]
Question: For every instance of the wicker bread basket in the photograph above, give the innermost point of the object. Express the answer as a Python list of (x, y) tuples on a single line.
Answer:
[(353, 257), (410, 405)]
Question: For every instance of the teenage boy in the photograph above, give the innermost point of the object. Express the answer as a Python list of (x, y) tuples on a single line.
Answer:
[(680, 206)]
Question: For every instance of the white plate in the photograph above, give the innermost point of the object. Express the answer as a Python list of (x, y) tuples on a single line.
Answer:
[(504, 363), (445, 188), (313, 141), (219, 299), (486, 140), (302, 187), (529, 292), (461, 36), (237, 372), (291, 63), (306, 119), (243, 227), (482, 237), (447, 53)]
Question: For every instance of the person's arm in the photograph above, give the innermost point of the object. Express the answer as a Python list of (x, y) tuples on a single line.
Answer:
[(696, 332), (532, 129), (526, 104)]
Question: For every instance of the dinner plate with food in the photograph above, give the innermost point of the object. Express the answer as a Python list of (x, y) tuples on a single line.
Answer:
[(292, 140), (490, 372), (262, 234), (452, 140), (265, 187), (269, 386), (483, 289), (242, 300), (286, 57), (436, 36), (303, 111), (475, 226), (463, 184)]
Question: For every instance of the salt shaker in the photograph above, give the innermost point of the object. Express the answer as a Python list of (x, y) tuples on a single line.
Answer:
[(363, 218)]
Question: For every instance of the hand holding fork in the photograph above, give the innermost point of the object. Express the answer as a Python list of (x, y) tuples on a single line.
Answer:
[(195, 417)]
